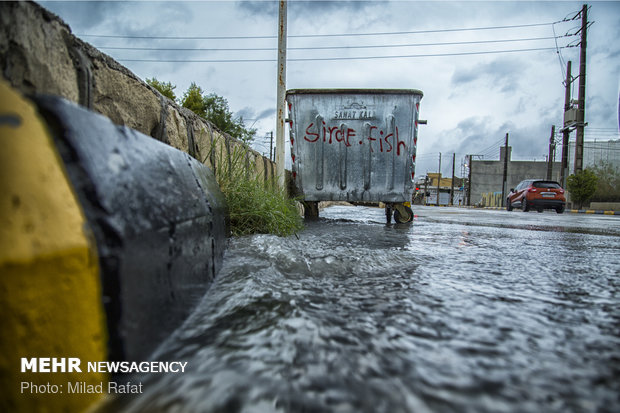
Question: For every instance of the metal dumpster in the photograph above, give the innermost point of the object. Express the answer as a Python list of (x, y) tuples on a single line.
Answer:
[(355, 145)]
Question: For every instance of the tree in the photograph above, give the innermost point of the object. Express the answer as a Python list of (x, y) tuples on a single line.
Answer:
[(214, 108), (194, 101), (165, 88), (608, 185), (582, 186)]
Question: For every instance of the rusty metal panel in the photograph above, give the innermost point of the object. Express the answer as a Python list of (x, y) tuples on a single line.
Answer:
[(354, 145)]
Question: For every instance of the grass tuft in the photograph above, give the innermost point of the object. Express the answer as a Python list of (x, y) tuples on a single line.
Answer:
[(255, 206)]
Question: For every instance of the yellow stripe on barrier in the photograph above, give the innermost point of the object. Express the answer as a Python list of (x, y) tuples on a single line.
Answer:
[(50, 292)]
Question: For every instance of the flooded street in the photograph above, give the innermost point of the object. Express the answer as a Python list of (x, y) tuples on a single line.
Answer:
[(463, 311)]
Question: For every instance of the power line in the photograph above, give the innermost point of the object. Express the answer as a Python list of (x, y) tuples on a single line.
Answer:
[(245, 49), (335, 58), (491, 150), (119, 36)]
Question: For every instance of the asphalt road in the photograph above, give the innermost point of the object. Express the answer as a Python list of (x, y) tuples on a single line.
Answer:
[(463, 311)]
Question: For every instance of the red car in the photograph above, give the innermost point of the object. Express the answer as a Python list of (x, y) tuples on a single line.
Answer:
[(537, 194)]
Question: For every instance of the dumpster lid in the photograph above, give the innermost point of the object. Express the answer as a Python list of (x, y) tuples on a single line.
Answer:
[(354, 91)]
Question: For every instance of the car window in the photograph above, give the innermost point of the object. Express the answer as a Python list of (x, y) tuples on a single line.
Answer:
[(546, 184)]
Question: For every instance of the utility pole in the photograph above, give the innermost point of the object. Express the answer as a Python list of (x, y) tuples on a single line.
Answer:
[(438, 178), (581, 99), (425, 188), (452, 184), (281, 94), (551, 149), (505, 171), (469, 181), (566, 129), (271, 147)]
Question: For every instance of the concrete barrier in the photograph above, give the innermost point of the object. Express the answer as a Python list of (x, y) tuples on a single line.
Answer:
[(158, 218), (108, 240)]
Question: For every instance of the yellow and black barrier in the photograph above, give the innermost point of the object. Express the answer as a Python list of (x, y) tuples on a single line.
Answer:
[(108, 239)]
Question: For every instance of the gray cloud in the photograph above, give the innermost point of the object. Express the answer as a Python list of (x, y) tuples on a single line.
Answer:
[(304, 8), (82, 15), (502, 74), (249, 113), (253, 8), (266, 113), (475, 135), (480, 135), (115, 17)]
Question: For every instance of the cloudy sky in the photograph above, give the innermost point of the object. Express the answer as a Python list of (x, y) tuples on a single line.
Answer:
[(504, 74)]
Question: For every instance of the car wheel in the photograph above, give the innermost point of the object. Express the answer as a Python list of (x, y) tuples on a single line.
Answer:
[(540, 210), (524, 206), (508, 205), (559, 210)]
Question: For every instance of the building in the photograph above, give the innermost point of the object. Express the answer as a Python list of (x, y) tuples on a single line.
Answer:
[(426, 193), (486, 177), (596, 153)]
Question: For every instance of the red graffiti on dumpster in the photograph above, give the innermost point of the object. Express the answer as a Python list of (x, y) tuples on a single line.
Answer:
[(341, 135)]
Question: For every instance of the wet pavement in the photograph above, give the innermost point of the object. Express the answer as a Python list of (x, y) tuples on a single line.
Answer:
[(463, 311)]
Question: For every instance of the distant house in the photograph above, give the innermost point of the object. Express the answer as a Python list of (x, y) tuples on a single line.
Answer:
[(427, 190)]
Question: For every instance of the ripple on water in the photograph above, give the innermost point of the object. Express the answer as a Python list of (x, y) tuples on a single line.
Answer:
[(363, 317)]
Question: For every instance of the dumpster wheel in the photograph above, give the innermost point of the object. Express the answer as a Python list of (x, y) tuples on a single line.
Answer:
[(402, 214)]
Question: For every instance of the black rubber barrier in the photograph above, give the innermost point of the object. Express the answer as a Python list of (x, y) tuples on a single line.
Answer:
[(158, 218)]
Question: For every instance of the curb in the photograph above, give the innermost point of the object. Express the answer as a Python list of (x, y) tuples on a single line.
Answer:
[(572, 211), (157, 217), (592, 211)]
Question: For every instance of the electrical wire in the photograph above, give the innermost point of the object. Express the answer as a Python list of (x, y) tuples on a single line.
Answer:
[(492, 150), (334, 58), (245, 49), (399, 33)]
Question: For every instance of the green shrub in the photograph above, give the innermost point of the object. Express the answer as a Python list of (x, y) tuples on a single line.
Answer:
[(255, 206), (608, 186), (215, 109), (165, 88), (582, 186)]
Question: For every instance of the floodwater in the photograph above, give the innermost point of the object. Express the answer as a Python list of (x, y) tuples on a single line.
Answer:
[(463, 311)]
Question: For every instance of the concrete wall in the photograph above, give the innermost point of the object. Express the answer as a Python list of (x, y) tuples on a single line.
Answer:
[(487, 177), (491, 199)]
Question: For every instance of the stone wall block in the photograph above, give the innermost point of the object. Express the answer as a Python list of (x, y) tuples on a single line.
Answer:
[(202, 133), (260, 166), (34, 56), (176, 129), (125, 100)]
